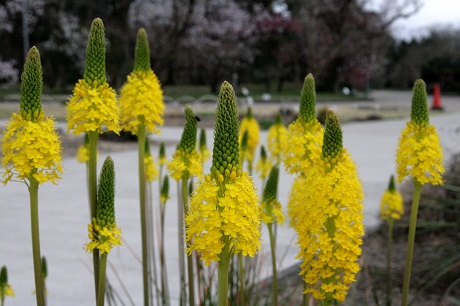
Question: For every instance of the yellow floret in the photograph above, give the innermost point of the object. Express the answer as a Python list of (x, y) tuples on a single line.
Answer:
[(151, 171), (92, 108), (391, 205), (276, 140), (31, 149), (328, 216), (419, 154), (303, 146), (141, 98), (185, 165), (233, 217)]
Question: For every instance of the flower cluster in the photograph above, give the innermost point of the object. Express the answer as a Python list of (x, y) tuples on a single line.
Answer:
[(31, 147), (305, 135), (234, 215), (249, 124), (186, 161), (91, 107), (141, 101), (103, 232), (224, 213), (419, 154), (264, 165), (276, 139), (5, 288), (272, 210), (419, 151), (391, 205), (330, 223), (103, 239), (93, 104), (151, 170), (203, 148)]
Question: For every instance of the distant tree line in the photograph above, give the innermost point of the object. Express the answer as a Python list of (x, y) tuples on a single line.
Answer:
[(342, 42)]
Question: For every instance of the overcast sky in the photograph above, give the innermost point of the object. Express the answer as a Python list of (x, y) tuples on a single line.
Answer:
[(432, 13)]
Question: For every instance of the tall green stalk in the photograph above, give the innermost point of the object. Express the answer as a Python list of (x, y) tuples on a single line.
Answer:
[(92, 189), (191, 287), (39, 289), (411, 241), (275, 276), (180, 235), (141, 138), (102, 279), (223, 276)]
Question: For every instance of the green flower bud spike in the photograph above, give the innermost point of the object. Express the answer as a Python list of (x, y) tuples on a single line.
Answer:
[(162, 152), (419, 109), (307, 112), (165, 188), (249, 114), (105, 209), (188, 140), (95, 54), (278, 118), (142, 52), (244, 141), (202, 138), (44, 268), (31, 87), (226, 130), (3, 277), (147, 149), (263, 153), (271, 188), (332, 143), (392, 185)]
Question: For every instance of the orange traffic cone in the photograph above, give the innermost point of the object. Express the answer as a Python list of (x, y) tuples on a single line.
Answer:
[(437, 105)]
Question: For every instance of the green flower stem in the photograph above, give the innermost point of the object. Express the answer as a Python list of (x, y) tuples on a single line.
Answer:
[(191, 287), (102, 278), (92, 189), (275, 277), (390, 241), (164, 273), (33, 193), (410, 241), (180, 234), (141, 138), (241, 274), (223, 276)]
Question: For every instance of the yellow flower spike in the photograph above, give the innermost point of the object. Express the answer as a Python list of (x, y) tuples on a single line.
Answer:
[(151, 170), (249, 124), (186, 161), (141, 97), (203, 148), (5, 288), (31, 147), (93, 105), (419, 153), (276, 139), (162, 155), (305, 135), (272, 210), (328, 204), (224, 216), (264, 165), (104, 233), (391, 205)]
